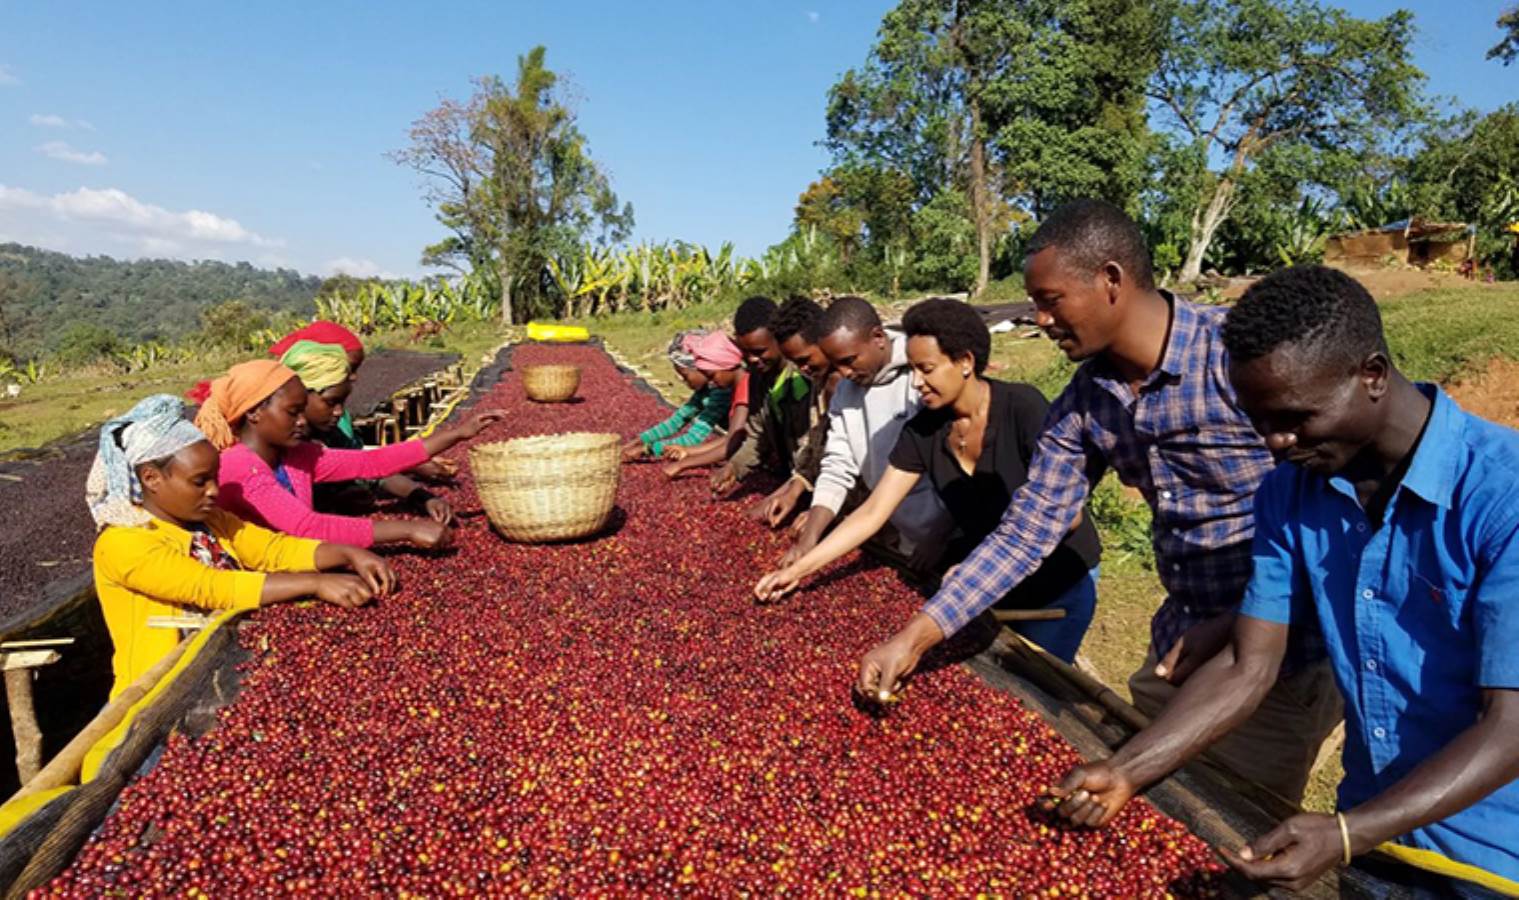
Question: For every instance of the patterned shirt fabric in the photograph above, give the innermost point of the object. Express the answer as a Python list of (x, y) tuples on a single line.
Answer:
[(1182, 441), (776, 428), (1420, 615), (707, 409)]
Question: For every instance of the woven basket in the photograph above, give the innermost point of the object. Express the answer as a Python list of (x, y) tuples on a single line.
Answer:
[(548, 488), (550, 384)]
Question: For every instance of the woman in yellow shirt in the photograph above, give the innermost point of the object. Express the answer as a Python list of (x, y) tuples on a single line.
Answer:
[(164, 546)]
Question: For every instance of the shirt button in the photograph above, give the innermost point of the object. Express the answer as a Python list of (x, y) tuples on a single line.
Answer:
[(1379, 732), (1176, 567), (1371, 664), (1165, 495), (1360, 526), (1187, 610), (1368, 594)]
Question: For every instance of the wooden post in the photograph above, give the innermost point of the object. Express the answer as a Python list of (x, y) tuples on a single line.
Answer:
[(64, 768), (18, 695)]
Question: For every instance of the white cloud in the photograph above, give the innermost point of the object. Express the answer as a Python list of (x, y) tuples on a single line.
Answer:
[(111, 221), (60, 150), (813, 16), (358, 268), (8, 78), (53, 120)]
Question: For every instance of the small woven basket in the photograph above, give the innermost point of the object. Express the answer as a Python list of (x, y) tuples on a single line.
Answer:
[(550, 384), (548, 488)]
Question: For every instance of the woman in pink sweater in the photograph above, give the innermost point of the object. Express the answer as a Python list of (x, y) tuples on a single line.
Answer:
[(256, 416)]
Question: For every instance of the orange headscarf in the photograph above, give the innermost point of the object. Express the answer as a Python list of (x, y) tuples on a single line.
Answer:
[(245, 386)]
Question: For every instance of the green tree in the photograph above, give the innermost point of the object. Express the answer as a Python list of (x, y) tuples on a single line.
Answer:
[(1239, 78), (1469, 171), (231, 323), (15, 294), (1005, 103), (511, 177), (84, 342), (824, 206), (1508, 48)]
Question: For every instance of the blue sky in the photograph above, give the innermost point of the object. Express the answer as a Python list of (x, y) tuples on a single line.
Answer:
[(256, 131)]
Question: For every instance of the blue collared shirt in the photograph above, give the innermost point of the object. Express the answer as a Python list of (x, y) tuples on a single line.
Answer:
[(1182, 441), (1419, 615)]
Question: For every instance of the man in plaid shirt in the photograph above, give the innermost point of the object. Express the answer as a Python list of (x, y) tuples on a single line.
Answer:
[(1152, 401)]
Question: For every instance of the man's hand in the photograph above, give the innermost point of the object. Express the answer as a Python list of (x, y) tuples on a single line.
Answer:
[(347, 591), (429, 534), (439, 510), (724, 480), (779, 503), (632, 450), (1090, 794), (375, 572), (883, 668), (800, 547), (777, 584), (1293, 854), (1196, 646)]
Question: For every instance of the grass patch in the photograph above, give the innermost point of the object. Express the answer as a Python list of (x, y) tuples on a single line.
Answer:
[(84, 398), (1440, 335)]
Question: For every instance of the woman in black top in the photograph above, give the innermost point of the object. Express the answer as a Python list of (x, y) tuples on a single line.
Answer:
[(973, 440)]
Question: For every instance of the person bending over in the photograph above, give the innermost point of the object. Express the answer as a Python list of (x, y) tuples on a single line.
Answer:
[(972, 441), (1152, 401), (256, 417), (709, 363), (164, 547), (1391, 530)]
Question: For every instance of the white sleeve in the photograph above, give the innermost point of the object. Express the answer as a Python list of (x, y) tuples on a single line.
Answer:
[(839, 471)]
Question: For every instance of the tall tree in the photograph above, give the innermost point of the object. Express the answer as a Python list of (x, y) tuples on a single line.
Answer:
[(1508, 48), (511, 177), (1006, 103), (1238, 78)]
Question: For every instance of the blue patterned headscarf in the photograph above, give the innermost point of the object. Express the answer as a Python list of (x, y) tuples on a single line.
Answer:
[(679, 350), (153, 429)]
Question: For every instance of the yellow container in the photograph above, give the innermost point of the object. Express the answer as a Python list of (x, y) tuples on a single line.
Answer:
[(537, 331)]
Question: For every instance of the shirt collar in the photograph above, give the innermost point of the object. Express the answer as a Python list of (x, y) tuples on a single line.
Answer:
[(1181, 339), (1432, 472), (897, 366), (1181, 344)]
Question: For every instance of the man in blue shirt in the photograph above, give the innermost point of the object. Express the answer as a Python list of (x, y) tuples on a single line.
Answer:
[(1395, 530)]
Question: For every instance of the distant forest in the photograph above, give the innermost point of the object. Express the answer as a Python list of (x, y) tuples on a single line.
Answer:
[(44, 294)]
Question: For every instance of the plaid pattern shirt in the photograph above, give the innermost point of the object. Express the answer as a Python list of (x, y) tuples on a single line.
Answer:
[(1183, 442)]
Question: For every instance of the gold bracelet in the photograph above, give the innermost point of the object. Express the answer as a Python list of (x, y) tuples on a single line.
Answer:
[(1344, 835)]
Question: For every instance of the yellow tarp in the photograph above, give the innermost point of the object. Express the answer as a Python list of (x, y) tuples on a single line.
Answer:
[(1430, 861), (537, 331)]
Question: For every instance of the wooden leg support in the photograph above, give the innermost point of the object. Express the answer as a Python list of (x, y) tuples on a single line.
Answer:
[(18, 696)]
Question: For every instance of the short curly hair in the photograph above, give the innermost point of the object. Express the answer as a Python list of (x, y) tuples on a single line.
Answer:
[(753, 314), (1088, 234), (794, 317), (956, 325), (1318, 310)]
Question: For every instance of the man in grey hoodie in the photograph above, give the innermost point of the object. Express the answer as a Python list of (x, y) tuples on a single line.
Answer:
[(865, 417)]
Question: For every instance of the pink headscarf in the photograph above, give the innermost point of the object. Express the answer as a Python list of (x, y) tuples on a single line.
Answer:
[(323, 333), (714, 352)]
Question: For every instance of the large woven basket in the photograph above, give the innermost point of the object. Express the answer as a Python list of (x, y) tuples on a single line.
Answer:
[(548, 488), (550, 384)]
